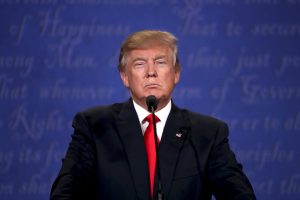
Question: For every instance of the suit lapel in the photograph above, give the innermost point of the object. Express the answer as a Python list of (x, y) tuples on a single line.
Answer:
[(131, 135), (171, 143)]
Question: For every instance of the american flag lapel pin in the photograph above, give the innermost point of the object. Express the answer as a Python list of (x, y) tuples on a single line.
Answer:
[(178, 135)]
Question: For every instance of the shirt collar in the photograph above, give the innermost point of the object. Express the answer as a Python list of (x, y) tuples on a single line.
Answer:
[(162, 114)]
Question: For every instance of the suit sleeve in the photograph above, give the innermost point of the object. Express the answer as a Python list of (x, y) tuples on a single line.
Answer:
[(224, 172), (76, 179)]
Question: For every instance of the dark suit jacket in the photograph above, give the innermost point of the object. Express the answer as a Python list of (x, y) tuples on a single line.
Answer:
[(106, 158)]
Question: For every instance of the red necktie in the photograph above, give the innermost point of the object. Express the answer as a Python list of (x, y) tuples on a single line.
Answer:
[(150, 149)]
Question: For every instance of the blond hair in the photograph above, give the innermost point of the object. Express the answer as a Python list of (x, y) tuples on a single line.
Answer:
[(146, 39)]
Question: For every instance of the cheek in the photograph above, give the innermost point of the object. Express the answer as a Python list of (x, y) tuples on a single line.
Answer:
[(135, 82), (171, 78)]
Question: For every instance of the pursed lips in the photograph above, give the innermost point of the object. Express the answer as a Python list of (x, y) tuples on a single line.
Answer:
[(152, 85)]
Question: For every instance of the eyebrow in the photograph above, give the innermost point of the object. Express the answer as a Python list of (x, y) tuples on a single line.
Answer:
[(160, 57), (145, 59), (138, 59)]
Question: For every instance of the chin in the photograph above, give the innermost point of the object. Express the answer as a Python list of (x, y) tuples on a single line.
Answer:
[(156, 95)]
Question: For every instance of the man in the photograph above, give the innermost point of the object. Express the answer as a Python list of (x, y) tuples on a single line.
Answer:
[(108, 156)]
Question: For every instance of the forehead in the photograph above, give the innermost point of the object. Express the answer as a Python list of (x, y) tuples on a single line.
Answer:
[(152, 52)]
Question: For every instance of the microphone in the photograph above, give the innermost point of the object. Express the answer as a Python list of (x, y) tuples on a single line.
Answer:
[(152, 103)]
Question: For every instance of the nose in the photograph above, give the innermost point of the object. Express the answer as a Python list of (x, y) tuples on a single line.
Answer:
[(151, 71)]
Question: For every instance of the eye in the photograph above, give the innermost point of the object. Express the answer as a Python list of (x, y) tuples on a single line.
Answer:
[(160, 62), (139, 64)]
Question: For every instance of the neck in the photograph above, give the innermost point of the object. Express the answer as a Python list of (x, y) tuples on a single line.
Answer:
[(161, 104)]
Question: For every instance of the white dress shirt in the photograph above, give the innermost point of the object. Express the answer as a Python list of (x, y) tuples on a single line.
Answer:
[(161, 114)]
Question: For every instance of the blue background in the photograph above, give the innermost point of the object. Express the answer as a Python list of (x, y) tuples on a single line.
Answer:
[(240, 62)]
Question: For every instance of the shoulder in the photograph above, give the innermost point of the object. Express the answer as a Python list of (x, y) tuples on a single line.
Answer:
[(98, 114), (198, 118), (101, 111)]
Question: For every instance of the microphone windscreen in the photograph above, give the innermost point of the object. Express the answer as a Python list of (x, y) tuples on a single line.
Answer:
[(151, 102)]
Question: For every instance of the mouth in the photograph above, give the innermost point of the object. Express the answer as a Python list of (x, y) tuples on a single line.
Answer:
[(152, 85)]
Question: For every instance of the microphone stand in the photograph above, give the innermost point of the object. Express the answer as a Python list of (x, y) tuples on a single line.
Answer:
[(160, 195)]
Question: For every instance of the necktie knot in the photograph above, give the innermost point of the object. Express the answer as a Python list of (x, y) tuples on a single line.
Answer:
[(149, 119)]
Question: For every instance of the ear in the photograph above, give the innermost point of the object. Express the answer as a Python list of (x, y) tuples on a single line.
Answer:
[(177, 76), (124, 78)]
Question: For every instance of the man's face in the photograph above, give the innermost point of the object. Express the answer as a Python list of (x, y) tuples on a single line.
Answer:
[(150, 72)]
